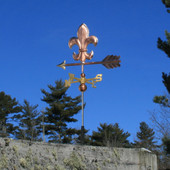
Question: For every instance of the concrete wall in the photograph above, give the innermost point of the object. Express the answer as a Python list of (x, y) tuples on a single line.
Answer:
[(44, 156)]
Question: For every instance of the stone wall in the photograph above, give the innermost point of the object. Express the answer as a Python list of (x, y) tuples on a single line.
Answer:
[(45, 156)]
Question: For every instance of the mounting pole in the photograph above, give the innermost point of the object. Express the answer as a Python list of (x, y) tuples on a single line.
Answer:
[(82, 106), (43, 126), (82, 127)]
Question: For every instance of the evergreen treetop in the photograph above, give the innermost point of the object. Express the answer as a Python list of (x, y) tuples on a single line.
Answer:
[(29, 122), (60, 112), (110, 135), (145, 137), (8, 106)]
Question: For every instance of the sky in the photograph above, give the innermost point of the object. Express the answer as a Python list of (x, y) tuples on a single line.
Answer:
[(34, 39)]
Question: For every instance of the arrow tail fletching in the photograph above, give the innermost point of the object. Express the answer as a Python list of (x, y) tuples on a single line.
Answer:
[(111, 61)]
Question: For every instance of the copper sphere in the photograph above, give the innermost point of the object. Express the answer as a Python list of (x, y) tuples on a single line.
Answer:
[(82, 87)]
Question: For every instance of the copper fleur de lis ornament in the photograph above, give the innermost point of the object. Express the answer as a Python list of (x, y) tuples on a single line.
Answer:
[(83, 40)]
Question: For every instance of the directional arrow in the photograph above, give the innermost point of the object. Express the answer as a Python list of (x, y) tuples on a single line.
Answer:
[(109, 62)]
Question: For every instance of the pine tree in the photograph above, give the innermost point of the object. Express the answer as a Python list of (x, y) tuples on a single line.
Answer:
[(29, 122), (164, 46), (166, 145), (59, 113), (161, 118), (166, 81), (145, 137), (110, 135), (165, 156), (164, 100), (78, 137), (8, 107), (167, 4)]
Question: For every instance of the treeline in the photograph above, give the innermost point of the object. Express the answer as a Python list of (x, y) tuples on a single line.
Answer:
[(27, 123)]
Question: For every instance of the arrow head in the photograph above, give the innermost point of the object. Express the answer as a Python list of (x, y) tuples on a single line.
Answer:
[(62, 65)]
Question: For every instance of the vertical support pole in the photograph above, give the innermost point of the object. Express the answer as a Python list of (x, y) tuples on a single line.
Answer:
[(82, 127), (82, 67), (43, 126), (82, 106)]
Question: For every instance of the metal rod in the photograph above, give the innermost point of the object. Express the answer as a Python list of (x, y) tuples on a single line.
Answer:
[(82, 127), (82, 106), (82, 135), (82, 94), (82, 67), (91, 63), (43, 126)]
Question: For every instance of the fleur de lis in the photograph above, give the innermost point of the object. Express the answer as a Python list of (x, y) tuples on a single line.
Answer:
[(82, 41)]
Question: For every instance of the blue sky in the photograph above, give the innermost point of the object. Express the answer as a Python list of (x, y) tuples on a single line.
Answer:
[(34, 38)]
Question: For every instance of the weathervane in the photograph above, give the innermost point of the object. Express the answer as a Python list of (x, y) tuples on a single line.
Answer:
[(83, 40)]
